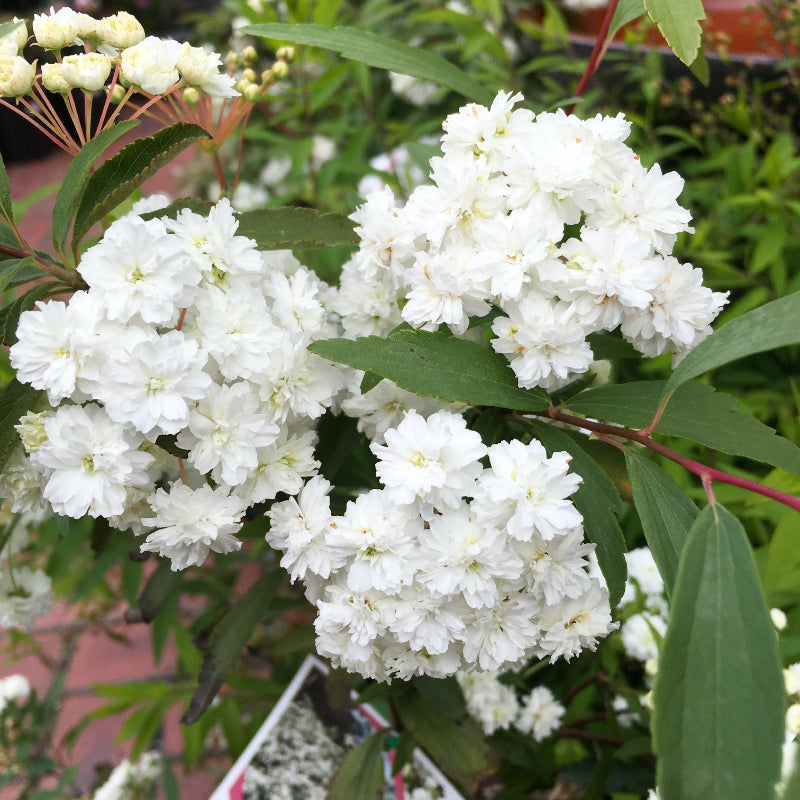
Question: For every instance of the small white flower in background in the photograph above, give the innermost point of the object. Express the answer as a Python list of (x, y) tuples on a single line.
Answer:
[(638, 637), (778, 618), (416, 91), (323, 149), (541, 714), (791, 678), (793, 719), (12, 689), (23, 597), (492, 703), (132, 780)]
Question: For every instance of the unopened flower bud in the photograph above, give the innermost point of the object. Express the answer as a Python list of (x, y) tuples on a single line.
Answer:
[(280, 69), (249, 55), (16, 76), (191, 96), (120, 30), (286, 53), (53, 79), (252, 93), (12, 43), (87, 71), (267, 77), (54, 31), (85, 26), (117, 94), (242, 84), (232, 61), (249, 75), (31, 430)]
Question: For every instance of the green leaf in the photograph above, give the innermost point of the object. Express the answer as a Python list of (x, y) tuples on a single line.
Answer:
[(369, 381), (666, 513), (679, 23), (437, 365), (115, 179), (14, 270), (775, 324), (195, 204), (160, 586), (288, 228), (360, 776), (451, 737), (781, 571), (227, 639), (378, 51), (74, 183), (9, 315), (719, 698), (695, 411), (598, 501), (605, 346), (627, 11), (6, 207)]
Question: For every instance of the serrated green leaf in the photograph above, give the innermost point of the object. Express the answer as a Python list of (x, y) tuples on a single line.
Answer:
[(360, 776), (695, 411), (288, 228), (378, 51), (598, 501), (115, 179), (195, 204), (227, 639), (6, 207), (666, 513), (679, 23), (16, 399), (9, 315), (437, 365), (74, 184), (626, 11), (452, 738), (775, 324), (719, 698)]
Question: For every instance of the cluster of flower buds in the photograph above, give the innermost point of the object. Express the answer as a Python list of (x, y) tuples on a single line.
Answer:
[(250, 85)]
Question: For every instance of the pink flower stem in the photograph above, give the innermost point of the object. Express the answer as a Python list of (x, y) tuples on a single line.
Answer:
[(109, 90), (707, 474), (64, 145), (597, 53)]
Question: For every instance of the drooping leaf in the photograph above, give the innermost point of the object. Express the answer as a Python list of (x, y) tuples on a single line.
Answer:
[(627, 11), (288, 228), (227, 639), (666, 513), (6, 207), (775, 324), (719, 698), (115, 179), (160, 586), (9, 315), (378, 51), (598, 501), (679, 23), (437, 365), (74, 184), (16, 399), (452, 738), (695, 411), (360, 776)]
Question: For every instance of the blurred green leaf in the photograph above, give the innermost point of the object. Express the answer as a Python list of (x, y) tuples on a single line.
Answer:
[(378, 51), (16, 399), (10, 314), (719, 698), (360, 776), (289, 228), (626, 11)]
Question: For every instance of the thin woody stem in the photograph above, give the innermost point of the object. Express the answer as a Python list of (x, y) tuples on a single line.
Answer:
[(70, 277), (598, 52), (707, 474)]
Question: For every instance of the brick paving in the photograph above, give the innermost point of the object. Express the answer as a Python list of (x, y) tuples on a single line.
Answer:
[(86, 653)]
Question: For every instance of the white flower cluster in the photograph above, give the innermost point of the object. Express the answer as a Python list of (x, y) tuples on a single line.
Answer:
[(549, 218), (496, 706), (147, 63), (188, 336), (450, 565), (12, 689), (132, 781)]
